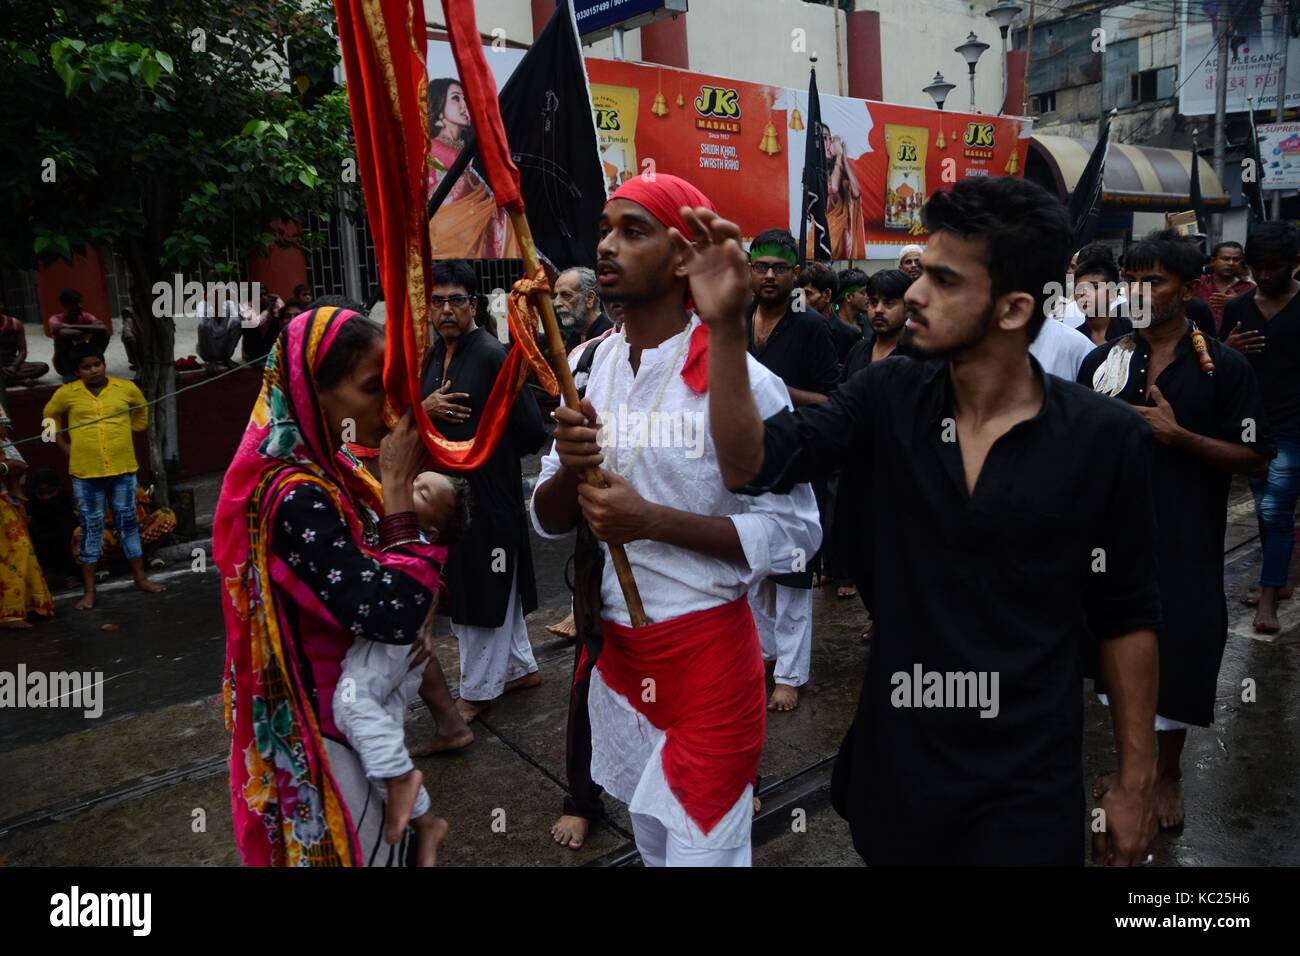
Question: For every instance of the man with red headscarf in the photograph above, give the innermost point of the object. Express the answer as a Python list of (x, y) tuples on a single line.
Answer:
[(677, 707)]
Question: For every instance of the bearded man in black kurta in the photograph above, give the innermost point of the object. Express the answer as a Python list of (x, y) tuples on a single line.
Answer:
[(1208, 425), (489, 572)]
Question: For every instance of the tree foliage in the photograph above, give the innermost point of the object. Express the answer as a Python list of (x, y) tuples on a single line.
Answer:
[(180, 132), (173, 125)]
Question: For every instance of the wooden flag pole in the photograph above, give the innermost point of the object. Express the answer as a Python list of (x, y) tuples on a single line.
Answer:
[(555, 343)]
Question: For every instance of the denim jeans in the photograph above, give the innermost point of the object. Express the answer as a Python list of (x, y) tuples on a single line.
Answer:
[(90, 494), (1275, 500)]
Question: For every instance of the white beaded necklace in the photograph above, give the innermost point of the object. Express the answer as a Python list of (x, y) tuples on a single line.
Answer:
[(621, 352)]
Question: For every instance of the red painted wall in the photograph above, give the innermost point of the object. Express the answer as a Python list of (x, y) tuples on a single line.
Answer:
[(1015, 102), (86, 275), (279, 270), (865, 80), (542, 13), (664, 41)]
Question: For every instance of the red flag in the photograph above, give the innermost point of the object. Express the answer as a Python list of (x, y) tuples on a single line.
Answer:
[(383, 44), (481, 92)]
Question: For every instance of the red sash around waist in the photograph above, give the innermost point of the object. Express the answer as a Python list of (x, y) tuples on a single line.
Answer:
[(699, 679)]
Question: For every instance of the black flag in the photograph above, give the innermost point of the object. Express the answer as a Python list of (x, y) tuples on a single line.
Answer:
[(1198, 204), (1253, 189), (1085, 201), (814, 181), (546, 112)]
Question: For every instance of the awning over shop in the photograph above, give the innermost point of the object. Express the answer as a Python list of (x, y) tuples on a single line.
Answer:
[(1145, 178)]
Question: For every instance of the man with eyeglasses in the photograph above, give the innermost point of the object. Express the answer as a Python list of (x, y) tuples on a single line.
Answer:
[(796, 345), (490, 570)]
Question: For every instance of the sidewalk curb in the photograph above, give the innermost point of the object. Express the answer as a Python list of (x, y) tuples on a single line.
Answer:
[(182, 551)]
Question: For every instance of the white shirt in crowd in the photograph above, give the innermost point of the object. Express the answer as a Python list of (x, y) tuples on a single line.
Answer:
[(779, 534), (1060, 348)]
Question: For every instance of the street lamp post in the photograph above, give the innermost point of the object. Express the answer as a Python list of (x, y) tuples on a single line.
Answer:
[(971, 51), (939, 89), (1002, 15)]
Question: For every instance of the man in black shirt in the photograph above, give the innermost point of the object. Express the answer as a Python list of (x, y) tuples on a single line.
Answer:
[(1264, 323), (818, 284), (1207, 427), (851, 510), (997, 486), (796, 345), (851, 300), (489, 572), (1095, 277)]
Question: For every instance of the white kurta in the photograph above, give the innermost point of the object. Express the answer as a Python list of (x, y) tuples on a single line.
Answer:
[(677, 466), (1060, 349)]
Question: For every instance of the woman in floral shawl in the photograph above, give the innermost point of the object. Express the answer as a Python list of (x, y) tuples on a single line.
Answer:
[(307, 563)]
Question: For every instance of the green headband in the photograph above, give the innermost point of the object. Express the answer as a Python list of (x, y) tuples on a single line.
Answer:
[(773, 250), (845, 293)]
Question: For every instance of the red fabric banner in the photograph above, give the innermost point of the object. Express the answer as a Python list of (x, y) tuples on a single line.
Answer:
[(481, 93), (383, 43)]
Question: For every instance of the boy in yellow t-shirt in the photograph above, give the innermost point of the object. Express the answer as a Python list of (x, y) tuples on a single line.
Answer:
[(101, 413)]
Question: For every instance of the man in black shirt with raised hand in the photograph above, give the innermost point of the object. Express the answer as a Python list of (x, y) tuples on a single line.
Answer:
[(1208, 424), (1000, 488)]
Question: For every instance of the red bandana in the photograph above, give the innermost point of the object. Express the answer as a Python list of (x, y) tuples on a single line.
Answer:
[(663, 196)]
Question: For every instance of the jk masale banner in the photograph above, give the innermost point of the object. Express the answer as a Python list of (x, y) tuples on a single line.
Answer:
[(743, 145)]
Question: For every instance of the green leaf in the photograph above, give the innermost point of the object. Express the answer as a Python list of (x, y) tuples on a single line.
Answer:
[(306, 178), (150, 70), (29, 57), (41, 245), (255, 127), (164, 60), (77, 45), (279, 128)]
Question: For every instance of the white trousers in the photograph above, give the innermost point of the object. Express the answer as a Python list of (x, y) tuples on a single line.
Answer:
[(370, 701), (658, 847), (1163, 724), (492, 656), (783, 617)]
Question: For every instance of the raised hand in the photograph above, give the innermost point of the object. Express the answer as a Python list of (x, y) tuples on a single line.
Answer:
[(716, 266)]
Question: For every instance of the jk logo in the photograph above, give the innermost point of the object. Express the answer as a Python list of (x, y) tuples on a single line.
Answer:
[(907, 153), (979, 135), (607, 119), (718, 101)]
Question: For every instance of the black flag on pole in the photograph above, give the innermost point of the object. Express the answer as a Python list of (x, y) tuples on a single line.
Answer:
[(546, 112), (1085, 201), (814, 182), (1198, 203), (1252, 188)]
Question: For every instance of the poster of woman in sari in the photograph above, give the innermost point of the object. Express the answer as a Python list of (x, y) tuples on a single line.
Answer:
[(468, 224), (843, 200)]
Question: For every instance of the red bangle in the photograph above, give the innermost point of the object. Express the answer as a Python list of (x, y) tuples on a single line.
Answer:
[(401, 528)]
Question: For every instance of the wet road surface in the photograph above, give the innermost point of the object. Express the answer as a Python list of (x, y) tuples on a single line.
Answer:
[(145, 782)]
